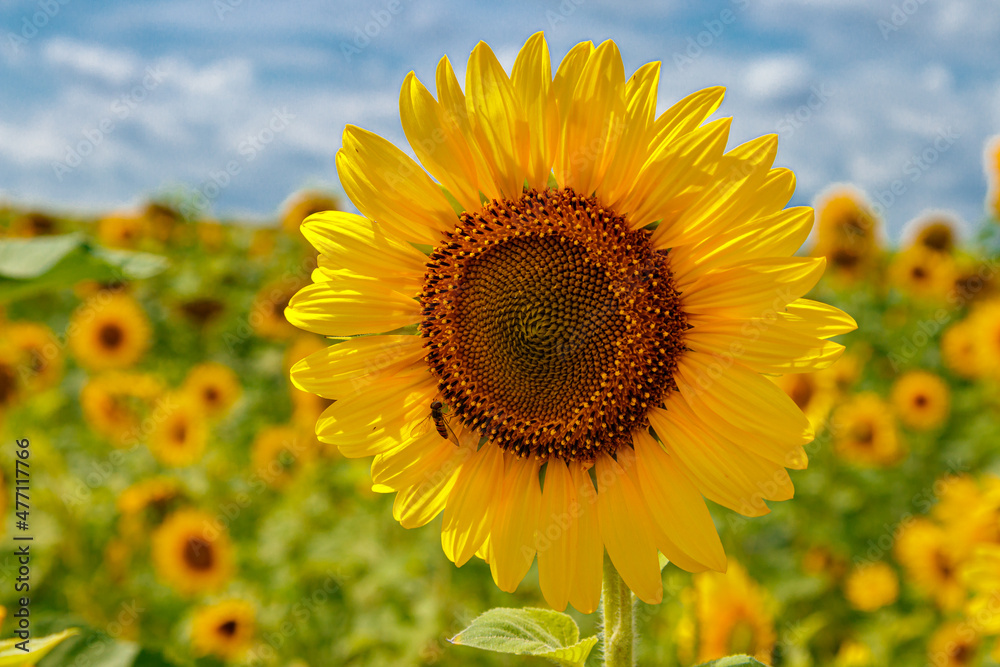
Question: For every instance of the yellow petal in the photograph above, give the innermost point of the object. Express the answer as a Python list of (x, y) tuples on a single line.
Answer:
[(633, 149), (348, 368), (767, 345), (438, 142), (675, 505), (513, 533), (419, 504), (594, 123), (684, 116), (567, 75), (823, 319), (472, 504), (531, 77), (557, 535), (498, 120), (585, 593), (415, 462), (388, 187), (625, 529), (351, 307)]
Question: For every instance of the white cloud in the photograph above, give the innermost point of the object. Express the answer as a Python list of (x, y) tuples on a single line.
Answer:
[(94, 60)]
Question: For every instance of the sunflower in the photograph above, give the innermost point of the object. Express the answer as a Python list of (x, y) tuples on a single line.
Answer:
[(982, 574), (192, 553), (162, 220), (936, 231), (991, 162), (847, 232), (214, 387), (117, 404), (969, 510), (11, 387), (279, 453), (921, 400), (267, 313), (224, 629), (33, 224), (924, 550), (814, 393), (147, 502), (985, 324), (123, 230), (872, 586), (40, 354), (306, 407), (611, 271), (180, 435), (853, 653), (954, 644), (864, 432), (303, 204), (109, 330), (923, 273), (729, 614), (958, 349)]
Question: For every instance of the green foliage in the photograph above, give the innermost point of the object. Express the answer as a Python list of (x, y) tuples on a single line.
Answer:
[(530, 631)]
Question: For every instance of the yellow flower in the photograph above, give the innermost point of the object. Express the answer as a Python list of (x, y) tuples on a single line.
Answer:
[(11, 386), (814, 393), (161, 220), (192, 553), (954, 644), (116, 405), (923, 273), (281, 452), (108, 331), (303, 204), (985, 324), (557, 327), (865, 432), (958, 349), (32, 224), (932, 564), (181, 433), (969, 510), (853, 653), (991, 162), (123, 230), (872, 586), (267, 313), (307, 407), (936, 231), (39, 354), (147, 502), (733, 615), (214, 387), (224, 629), (921, 400), (847, 232), (981, 573)]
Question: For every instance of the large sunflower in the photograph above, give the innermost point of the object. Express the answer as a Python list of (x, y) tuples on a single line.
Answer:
[(593, 292)]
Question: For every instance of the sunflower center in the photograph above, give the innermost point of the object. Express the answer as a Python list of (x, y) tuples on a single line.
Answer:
[(211, 395), (552, 326), (8, 383), (920, 400), (198, 553), (802, 391), (228, 628), (111, 336)]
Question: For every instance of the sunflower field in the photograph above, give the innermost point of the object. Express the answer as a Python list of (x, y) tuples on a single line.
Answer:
[(181, 510)]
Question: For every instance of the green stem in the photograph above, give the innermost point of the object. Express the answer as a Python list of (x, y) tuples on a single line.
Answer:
[(617, 604)]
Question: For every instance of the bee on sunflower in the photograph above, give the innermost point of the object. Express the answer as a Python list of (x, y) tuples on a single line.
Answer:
[(592, 292)]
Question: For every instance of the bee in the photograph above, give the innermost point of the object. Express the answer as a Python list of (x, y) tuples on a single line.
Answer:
[(440, 422)]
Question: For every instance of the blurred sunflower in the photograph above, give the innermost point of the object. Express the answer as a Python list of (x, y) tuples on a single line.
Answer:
[(958, 350), (146, 503), (954, 644), (214, 387), (279, 453), (557, 324), (11, 388), (306, 407), (40, 354), (267, 313), (32, 224), (109, 330), (864, 432), (179, 437), (846, 233), (871, 586), (921, 400), (982, 575), (123, 230), (814, 393), (224, 629), (985, 324), (931, 562), (191, 553), (935, 231), (853, 653), (116, 403), (303, 204), (969, 510), (991, 163), (923, 274), (726, 614), (161, 220)]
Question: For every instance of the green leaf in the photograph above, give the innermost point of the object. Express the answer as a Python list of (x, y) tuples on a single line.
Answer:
[(11, 656), (735, 661), (29, 266), (539, 632)]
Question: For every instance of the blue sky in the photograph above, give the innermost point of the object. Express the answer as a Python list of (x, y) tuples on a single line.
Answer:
[(105, 104)]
